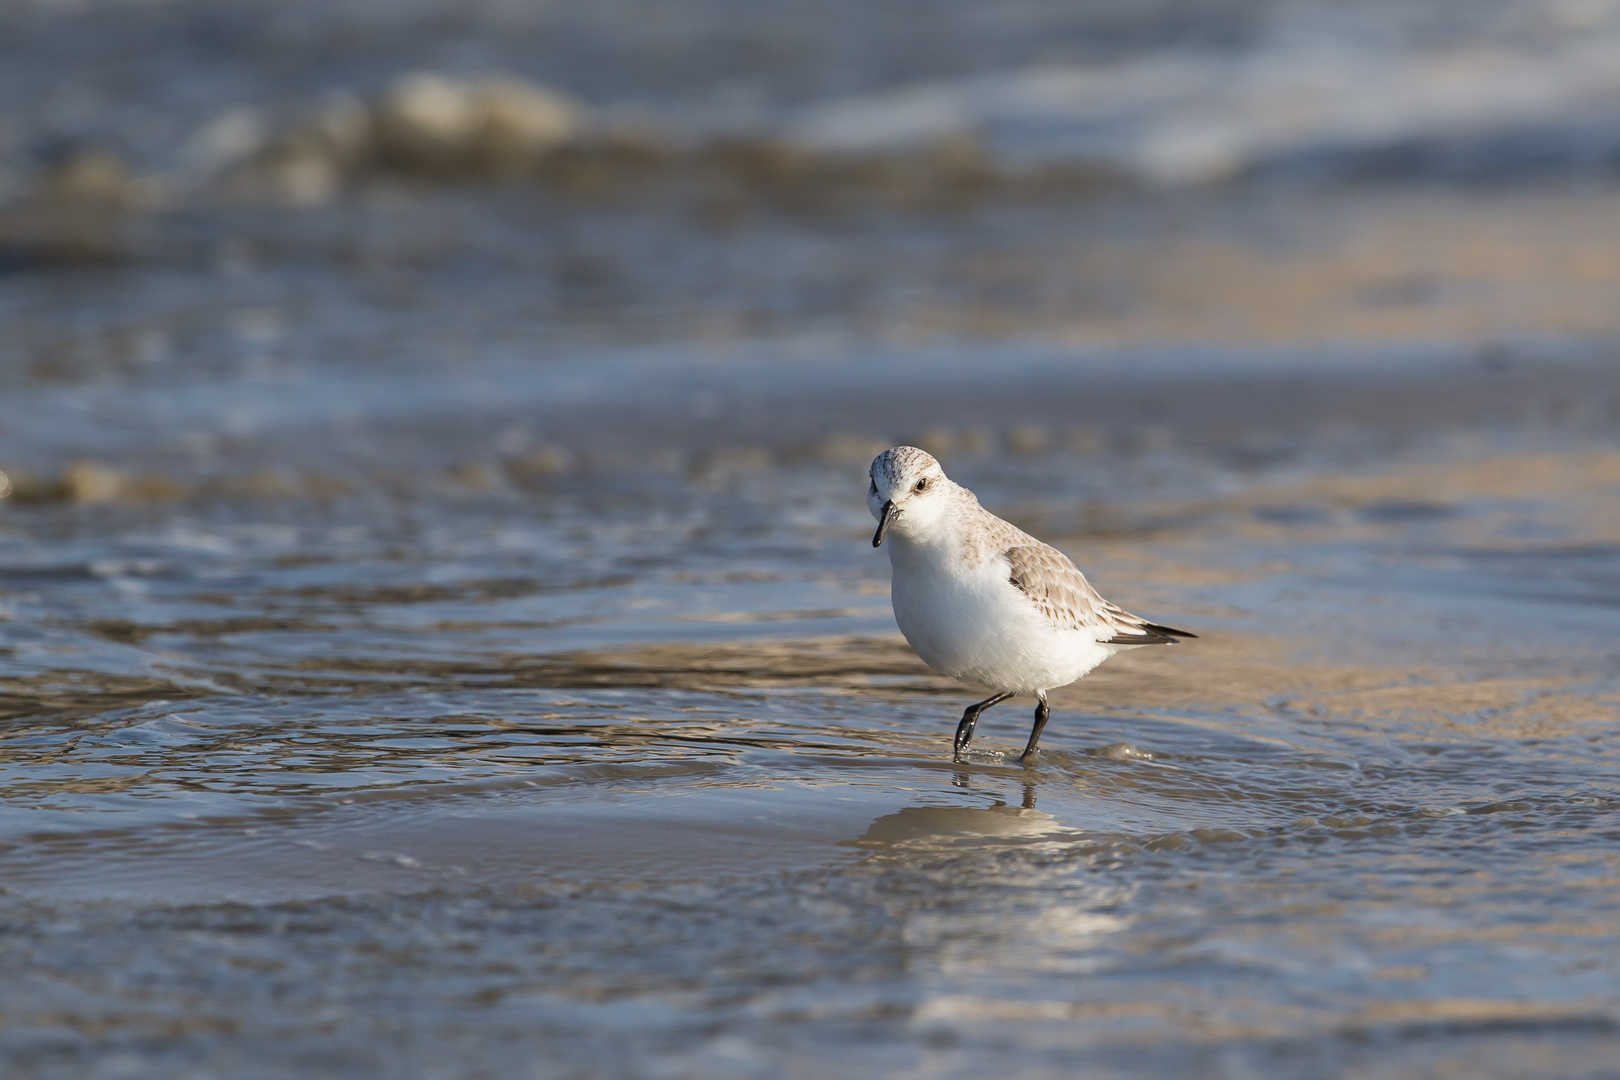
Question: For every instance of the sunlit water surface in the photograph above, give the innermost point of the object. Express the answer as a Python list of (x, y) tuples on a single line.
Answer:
[(632, 776)]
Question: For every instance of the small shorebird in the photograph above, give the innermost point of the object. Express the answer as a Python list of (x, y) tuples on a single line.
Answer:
[(983, 601)]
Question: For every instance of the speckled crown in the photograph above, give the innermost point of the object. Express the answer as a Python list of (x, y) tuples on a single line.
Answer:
[(900, 461)]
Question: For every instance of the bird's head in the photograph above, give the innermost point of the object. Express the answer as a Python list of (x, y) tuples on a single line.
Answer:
[(906, 490)]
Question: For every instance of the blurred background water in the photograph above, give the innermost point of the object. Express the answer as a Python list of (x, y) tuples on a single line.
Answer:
[(439, 634)]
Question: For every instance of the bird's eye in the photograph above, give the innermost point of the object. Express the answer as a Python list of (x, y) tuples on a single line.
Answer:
[(874, 487), (921, 484)]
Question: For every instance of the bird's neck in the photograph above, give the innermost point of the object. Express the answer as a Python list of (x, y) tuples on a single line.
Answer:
[(942, 542)]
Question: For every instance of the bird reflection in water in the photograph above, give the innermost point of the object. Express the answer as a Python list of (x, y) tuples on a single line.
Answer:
[(928, 826)]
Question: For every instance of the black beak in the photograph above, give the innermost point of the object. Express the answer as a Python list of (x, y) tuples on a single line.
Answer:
[(883, 524)]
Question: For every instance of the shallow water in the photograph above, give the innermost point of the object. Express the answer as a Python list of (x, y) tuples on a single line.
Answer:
[(635, 769), (440, 636)]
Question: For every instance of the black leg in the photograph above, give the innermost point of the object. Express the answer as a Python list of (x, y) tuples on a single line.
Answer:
[(1041, 715), (964, 730)]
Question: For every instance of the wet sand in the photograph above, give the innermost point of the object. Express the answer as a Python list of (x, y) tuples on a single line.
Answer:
[(634, 767)]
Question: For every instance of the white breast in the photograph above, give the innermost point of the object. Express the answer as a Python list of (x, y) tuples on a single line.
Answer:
[(968, 621)]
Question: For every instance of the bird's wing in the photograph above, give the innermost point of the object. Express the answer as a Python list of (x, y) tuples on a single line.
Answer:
[(1062, 593)]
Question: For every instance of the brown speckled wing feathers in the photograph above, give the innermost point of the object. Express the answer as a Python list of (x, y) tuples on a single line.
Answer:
[(1063, 595)]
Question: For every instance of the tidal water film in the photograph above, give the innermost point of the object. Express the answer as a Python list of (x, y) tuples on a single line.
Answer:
[(439, 629)]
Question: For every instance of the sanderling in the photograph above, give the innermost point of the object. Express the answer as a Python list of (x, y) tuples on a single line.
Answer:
[(983, 601)]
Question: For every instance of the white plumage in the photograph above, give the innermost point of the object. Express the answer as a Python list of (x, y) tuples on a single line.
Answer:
[(983, 601)]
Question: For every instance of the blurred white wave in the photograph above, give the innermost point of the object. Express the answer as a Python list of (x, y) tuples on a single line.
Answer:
[(1175, 118)]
